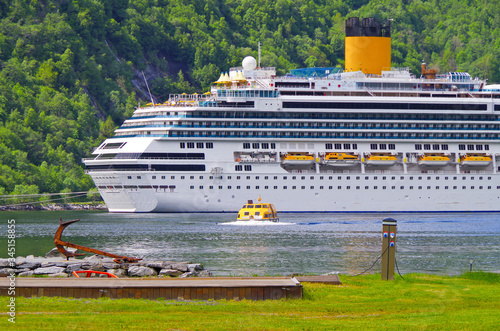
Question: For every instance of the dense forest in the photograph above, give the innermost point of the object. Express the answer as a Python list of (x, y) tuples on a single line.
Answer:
[(71, 70)]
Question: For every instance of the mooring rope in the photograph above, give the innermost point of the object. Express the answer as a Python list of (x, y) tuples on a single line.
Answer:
[(36, 202)]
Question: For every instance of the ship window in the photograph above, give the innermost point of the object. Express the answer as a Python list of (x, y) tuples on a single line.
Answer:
[(284, 187), (248, 177), (201, 187), (209, 145), (138, 177), (210, 187), (366, 187), (347, 146), (248, 168), (486, 147), (338, 187), (248, 187), (238, 187), (293, 177), (265, 145), (444, 147), (285, 177), (470, 147), (229, 187), (312, 187), (348, 187), (427, 147), (190, 145), (266, 187), (201, 177), (182, 145), (273, 146), (392, 146), (411, 187), (418, 147), (320, 177), (328, 146), (435, 147), (129, 177), (384, 187), (199, 145), (375, 187), (246, 145), (357, 187), (191, 187), (383, 146), (275, 177), (420, 187), (154, 177), (461, 147), (321, 187), (454, 187), (257, 187), (338, 146), (191, 177), (339, 178), (479, 147), (256, 177), (275, 187), (255, 145), (373, 146)]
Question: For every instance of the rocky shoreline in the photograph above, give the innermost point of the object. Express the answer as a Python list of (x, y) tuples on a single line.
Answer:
[(55, 207), (55, 264)]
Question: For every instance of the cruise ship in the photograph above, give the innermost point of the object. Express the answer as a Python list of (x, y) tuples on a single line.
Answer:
[(369, 138)]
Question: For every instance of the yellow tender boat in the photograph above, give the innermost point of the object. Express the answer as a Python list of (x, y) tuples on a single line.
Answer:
[(258, 211), (436, 160), (341, 159), (381, 159), (476, 160), (298, 159)]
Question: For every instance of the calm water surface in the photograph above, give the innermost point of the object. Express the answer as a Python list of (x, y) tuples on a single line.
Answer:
[(300, 243)]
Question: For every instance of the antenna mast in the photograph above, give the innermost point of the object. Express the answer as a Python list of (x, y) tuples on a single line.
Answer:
[(259, 53)]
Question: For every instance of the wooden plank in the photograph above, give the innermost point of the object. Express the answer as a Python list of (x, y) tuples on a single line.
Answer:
[(325, 279), (172, 289), (230, 293)]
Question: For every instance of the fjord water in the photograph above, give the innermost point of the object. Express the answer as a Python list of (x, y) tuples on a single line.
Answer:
[(300, 243)]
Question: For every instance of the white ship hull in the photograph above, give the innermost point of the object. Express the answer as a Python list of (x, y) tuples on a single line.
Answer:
[(402, 187), (316, 200)]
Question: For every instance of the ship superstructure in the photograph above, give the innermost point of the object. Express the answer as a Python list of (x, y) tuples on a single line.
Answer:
[(317, 139)]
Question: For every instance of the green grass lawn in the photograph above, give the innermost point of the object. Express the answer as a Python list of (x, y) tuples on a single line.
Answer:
[(420, 301)]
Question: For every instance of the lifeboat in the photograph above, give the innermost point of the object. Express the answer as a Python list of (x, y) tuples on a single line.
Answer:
[(341, 159), (381, 159), (298, 159), (476, 160), (434, 160), (257, 212)]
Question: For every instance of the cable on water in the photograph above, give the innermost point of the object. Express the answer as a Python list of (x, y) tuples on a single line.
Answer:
[(378, 258), (396, 262), (36, 202)]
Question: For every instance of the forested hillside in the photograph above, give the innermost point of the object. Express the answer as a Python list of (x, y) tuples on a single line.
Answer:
[(71, 71)]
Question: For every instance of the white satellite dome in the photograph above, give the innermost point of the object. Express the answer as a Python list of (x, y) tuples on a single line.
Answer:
[(249, 63)]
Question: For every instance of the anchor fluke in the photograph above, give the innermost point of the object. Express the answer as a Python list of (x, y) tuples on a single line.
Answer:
[(60, 246)]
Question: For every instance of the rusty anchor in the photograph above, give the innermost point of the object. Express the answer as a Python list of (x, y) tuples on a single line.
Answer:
[(60, 246)]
